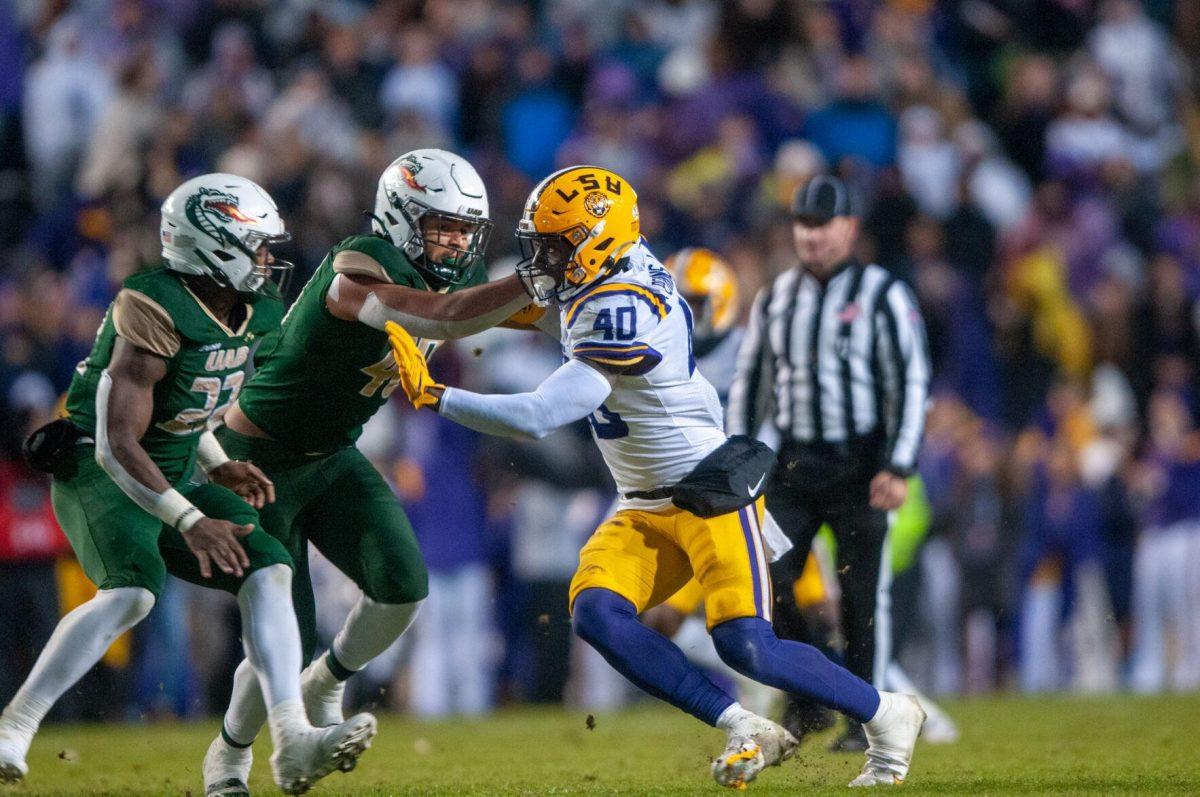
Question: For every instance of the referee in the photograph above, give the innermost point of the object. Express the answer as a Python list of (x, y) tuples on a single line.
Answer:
[(835, 359)]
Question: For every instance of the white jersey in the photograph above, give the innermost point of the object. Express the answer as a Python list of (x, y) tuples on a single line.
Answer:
[(662, 416)]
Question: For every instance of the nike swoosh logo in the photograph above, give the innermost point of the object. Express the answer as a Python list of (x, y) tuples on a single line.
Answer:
[(754, 489)]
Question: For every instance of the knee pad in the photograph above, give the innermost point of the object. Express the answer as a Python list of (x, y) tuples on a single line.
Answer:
[(279, 575), (741, 642), (393, 616), (134, 603), (594, 613)]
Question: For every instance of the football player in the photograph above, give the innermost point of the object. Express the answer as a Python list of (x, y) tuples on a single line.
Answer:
[(170, 356), (327, 372), (709, 286), (630, 369)]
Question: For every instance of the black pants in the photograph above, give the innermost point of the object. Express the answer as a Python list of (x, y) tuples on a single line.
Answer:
[(811, 487)]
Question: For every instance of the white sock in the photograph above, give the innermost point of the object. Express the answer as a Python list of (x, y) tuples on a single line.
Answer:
[(78, 642), (271, 635), (732, 716), (885, 702), (370, 629), (247, 712), (320, 676)]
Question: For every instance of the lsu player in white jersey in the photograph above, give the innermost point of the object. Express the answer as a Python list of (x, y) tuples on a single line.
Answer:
[(710, 287), (630, 369)]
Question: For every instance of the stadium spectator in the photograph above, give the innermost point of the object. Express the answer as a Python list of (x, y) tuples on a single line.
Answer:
[(1165, 561), (1030, 166)]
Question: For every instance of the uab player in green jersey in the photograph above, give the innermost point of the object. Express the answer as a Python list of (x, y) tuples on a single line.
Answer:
[(329, 370), (171, 349)]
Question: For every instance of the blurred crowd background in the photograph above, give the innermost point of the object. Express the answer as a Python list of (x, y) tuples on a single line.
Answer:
[(1032, 168)]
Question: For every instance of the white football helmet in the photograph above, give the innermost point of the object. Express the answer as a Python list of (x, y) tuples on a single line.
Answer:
[(439, 184), (214, 224)]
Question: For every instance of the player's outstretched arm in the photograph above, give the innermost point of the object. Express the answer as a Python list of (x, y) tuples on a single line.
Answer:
[(571, 393), (124, 407), (428, 315), (574, 391)]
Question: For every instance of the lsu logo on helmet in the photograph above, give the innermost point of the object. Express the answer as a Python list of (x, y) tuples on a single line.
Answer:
[(577, 224)]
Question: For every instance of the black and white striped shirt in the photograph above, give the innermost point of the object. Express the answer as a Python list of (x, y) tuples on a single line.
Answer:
[(835, 362)]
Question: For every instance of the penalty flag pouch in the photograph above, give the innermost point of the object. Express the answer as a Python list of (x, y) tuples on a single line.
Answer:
[(50, 447), (734, 475)]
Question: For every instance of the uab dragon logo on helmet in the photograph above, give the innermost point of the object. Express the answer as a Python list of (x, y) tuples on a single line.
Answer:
[(433, 206), (577, 224), (215, 224), (211, 209), (710, 288)]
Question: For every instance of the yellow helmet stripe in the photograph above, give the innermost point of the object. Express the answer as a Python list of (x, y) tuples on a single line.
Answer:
[(656, 303)]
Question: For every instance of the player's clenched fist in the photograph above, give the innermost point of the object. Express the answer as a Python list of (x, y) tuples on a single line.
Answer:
[(418, 385)]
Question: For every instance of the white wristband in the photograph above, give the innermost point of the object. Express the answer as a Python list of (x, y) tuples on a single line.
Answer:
[(209, 453), (175, 510)]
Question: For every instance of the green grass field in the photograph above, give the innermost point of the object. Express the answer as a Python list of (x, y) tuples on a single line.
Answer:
[(1010, 746)]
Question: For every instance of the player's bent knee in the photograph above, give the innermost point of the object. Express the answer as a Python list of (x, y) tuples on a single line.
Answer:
[(265, 551), (134, 603), (406, 582), (595, 613), (741, 643)]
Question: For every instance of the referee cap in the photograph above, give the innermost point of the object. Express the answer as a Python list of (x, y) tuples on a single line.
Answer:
[(821, 199)]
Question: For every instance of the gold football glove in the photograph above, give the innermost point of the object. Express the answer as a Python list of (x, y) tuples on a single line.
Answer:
[(414, 372)]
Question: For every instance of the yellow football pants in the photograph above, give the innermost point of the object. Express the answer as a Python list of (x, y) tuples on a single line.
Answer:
[(646, 557), (809, 590)]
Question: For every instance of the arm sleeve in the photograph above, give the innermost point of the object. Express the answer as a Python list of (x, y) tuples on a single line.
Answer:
[(905, 366), (209, 453), (754, 374), (171, 507), (572, 392)]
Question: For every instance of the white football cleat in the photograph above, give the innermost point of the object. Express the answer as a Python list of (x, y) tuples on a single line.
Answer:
[(322, 694), (892, 734), (305, 755), (13, 748), (754, 744), (227, 769)]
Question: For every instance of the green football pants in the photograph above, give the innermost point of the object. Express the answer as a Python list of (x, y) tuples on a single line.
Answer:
[(340, 504)]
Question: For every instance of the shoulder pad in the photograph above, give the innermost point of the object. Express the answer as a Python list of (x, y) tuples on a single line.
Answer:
[(617, 294), (392, 265)]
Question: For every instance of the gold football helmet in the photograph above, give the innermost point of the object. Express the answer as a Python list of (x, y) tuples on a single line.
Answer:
[(710, 288), (577, 224)]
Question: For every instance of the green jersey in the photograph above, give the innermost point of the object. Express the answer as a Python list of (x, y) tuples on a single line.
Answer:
[(156, 311), (322, 378)]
